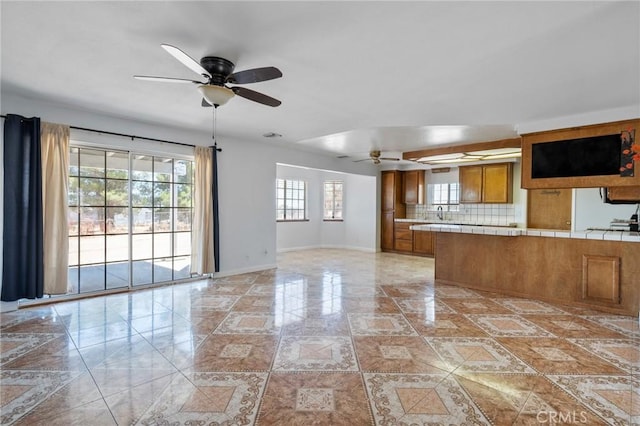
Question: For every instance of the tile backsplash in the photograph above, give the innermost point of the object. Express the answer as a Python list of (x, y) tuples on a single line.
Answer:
[(480, 214)]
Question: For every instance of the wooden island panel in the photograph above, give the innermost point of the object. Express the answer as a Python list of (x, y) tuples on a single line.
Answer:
[(550, 269)]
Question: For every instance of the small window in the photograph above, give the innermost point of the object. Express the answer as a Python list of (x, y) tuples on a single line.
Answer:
[(444, 194), (333, 200), (291, 200)]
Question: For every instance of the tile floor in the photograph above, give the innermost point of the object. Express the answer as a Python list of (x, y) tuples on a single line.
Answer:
[(331, 337)]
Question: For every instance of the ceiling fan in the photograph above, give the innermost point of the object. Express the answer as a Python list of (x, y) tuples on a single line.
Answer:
[(375, 157), (218, 72)]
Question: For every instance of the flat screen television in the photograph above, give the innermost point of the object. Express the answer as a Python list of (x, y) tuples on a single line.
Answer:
[(594, 156)]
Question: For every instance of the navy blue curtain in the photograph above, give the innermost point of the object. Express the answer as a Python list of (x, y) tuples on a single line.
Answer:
[(22, 263), (216, 223)]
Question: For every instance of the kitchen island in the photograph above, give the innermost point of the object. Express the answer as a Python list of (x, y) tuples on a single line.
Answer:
[(595, 269)]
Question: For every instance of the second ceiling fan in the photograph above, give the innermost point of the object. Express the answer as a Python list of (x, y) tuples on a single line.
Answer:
[(218, 72), (376, 158)]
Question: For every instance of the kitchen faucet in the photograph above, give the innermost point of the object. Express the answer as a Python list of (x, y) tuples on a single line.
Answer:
[(439, 214)]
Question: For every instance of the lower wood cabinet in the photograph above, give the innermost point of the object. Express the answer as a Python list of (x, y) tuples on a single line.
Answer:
[(403, 237), (424, 243), (387, 231), (420, 243)]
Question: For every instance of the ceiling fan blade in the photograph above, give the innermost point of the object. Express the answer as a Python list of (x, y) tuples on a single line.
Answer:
[(389, 159), (254, 75), (252, 95), (186, 60), (205, 103), (165, 79), (364, 159)]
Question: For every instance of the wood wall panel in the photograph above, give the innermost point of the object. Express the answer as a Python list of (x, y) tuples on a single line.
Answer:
[(601, 279), (549, 208), (528, 182), (544, 268)]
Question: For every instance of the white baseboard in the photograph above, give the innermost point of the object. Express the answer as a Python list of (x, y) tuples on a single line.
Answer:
[(229, 273), (8, 306), (356, 248), (288, 249)]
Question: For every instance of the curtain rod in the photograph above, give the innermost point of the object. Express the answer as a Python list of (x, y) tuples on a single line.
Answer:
[(123, 135)]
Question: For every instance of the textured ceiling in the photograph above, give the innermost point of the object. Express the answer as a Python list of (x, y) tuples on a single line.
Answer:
[(394, 76)]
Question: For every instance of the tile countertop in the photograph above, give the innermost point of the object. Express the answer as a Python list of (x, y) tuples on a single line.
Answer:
[(514, 232), (413, 220), (448, 222)]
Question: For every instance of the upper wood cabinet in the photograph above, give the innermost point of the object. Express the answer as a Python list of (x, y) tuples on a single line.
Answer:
[(491, 183), (497, 183), (391, 206), (391, 183), (471, 184), (624, 194), (413, 186)]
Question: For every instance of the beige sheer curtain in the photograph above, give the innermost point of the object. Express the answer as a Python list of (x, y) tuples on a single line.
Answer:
[(202, 259), (54, 139)]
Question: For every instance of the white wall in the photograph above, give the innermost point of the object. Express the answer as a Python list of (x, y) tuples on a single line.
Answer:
[(246, 172), (592, 212), (362, 200), (356, 231), (519, 196)]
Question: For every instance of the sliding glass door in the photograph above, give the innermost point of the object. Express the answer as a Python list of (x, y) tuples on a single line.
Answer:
[(129, 219), (161, 201)]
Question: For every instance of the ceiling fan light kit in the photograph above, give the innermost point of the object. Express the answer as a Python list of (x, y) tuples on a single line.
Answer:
[(216, 95)]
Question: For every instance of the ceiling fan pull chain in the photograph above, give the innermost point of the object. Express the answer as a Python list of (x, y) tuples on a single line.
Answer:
[(214, 125)]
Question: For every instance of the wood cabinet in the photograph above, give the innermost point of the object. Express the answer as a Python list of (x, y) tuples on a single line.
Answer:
[(413, 182), (424, 243), (392, 192), (396, 189), (624, 194), (490, 183), (403, 240), (421, 243), (471, 184), (386, 231), (387, 180), (391, 206)]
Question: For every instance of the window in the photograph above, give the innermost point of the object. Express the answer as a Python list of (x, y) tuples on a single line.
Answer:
[(444, 194), (291, 200), (333, 200), (129, 219)]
